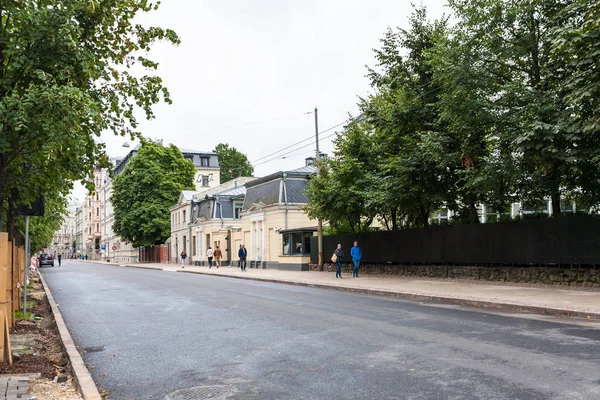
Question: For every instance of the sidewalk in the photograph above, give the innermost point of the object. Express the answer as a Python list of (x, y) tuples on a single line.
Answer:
[(533, 299)]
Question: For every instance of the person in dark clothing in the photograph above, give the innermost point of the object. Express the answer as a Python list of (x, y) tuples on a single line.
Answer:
[(242, 254), (339, 257), (59, 259)]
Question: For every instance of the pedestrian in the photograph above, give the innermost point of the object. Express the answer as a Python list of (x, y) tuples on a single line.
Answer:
[(183, 256), (356, 254), (209, 255), (242, 254), (59, 259), (338, 255), (218, 256)]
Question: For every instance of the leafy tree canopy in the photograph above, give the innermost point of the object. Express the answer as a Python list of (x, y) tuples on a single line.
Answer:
[(70, 70), (232, 162), (143, 193)]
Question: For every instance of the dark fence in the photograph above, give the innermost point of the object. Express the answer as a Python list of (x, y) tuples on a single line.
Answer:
[(569, 241)]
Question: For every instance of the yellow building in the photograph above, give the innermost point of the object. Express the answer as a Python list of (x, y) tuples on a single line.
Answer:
[(275, 228)]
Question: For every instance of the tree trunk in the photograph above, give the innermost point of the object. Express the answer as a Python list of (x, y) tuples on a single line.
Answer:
[(555, 196), (10, 218), (3, 167), (473, 217), (394, 219)]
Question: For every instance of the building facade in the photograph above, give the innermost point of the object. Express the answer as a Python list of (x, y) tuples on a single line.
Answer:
[(114, 248), (275, 227), (64, 241)]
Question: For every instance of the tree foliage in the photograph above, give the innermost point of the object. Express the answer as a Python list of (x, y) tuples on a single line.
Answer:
[(500, 107), (232, 162), (146, 189), (69, 70)]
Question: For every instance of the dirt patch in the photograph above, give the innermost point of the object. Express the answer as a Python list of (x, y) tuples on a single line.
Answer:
[(48, 390), (38, 349)]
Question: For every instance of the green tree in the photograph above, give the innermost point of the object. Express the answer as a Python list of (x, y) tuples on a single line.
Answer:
[(70, 70), (232, 162), (575, 46), (512, 42), (143, 193), (341, 191), (403, 114)]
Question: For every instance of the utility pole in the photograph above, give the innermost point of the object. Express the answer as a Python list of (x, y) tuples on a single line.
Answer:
[(320, 222)]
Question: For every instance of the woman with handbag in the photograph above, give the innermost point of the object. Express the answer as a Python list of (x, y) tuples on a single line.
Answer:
[(338, 257)]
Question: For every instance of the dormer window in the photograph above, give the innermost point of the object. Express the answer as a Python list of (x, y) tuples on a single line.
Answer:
[(205, 161)]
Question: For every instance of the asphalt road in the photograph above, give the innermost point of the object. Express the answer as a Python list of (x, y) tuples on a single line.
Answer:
[(148, 333)]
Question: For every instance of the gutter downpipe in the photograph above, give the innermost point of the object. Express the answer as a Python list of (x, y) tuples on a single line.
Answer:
[(190, 231), (220, 210), (286, 199)]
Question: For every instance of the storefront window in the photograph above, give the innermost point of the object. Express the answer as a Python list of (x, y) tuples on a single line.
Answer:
[(286, 244)]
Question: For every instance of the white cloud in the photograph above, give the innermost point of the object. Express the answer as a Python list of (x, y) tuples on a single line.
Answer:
[(243, 61)]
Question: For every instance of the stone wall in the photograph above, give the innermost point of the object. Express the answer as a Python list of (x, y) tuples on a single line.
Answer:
[(585, 277)]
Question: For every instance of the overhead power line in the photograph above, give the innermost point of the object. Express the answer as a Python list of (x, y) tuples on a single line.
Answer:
[(293, 145), (255, 122)]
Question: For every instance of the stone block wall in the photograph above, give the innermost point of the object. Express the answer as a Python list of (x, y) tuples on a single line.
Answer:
[(584, 276)]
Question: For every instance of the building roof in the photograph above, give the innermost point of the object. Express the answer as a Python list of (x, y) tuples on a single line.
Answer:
[(188, 195), (190, 151), (303, 172), (235, 191), (306, 229)]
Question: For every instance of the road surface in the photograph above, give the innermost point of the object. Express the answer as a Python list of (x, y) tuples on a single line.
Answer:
[(148, 333)]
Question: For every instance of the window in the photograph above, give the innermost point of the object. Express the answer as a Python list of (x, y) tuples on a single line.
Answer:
[(296, 243), (184, 220), (205, 161), (286, 244), (97, 196), (298, 248), (237, 210), (193, 245), (204, 180), (90, 216), (97, 227), (97, 211)]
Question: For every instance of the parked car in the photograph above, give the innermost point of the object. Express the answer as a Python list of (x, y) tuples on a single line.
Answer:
[(46, 259)]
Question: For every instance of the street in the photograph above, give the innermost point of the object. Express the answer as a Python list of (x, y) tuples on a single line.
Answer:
[(147, 333)]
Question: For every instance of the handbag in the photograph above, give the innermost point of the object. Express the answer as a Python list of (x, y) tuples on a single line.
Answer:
[(333, 258)]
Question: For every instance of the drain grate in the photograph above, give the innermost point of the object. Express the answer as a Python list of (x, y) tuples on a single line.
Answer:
[(200, 393)]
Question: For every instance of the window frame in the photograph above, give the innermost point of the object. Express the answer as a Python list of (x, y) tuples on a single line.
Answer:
[(292, 242)]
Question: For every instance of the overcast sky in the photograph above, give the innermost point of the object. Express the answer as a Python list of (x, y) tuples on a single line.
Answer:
[(240, 62)]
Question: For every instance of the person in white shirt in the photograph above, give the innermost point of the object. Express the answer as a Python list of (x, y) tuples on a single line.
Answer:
[(209, 255)]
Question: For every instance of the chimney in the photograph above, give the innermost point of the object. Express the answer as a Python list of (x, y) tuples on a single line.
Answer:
[(235, 184)]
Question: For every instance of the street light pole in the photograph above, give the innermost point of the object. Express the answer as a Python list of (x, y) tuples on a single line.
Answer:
[(320, 222)]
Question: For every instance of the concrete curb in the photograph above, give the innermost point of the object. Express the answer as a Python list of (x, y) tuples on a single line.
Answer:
[(84, 380), (514, 307)]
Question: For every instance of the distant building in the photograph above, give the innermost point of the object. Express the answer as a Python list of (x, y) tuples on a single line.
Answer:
[(115, 249), (65, 240), (210, 218)]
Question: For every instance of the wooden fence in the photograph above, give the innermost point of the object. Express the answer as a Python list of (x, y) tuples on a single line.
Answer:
[(12, 261)]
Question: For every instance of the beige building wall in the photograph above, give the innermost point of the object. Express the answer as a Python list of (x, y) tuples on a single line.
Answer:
[(262, 238)]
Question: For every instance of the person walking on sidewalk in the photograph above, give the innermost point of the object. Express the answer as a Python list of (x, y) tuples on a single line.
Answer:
[(242, 254), (183, 256), (339, 257), (59, 259), (356, 254), (209, 255), (218, 254)]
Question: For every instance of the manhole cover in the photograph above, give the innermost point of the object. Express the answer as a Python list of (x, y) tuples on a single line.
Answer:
[(200, 393)]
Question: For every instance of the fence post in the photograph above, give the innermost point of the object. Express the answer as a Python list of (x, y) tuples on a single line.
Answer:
[(5, 300)]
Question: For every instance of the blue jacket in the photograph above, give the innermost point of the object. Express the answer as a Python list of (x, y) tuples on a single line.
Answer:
[(356, 253), (242, 253)]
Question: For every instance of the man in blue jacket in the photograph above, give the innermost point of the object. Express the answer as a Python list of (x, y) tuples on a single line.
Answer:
[(242, 254), (356, 254)]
